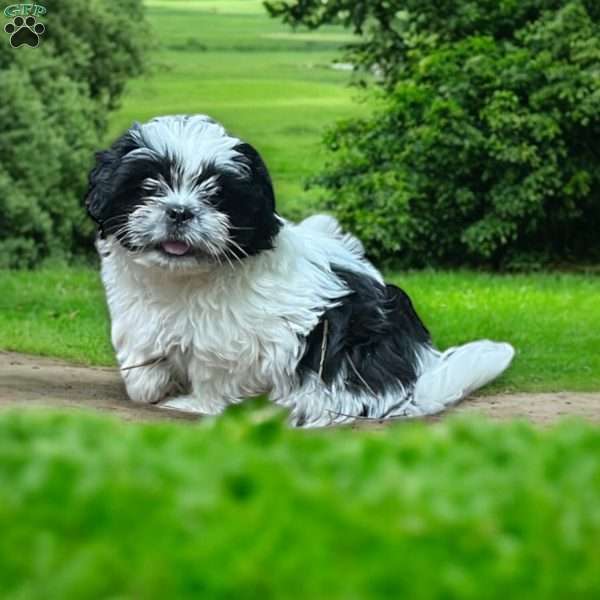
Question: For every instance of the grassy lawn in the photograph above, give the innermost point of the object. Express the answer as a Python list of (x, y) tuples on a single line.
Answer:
[(552, 320), (271, 86), (244, 508)]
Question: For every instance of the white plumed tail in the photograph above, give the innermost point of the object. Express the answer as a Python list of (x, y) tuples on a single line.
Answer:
[(447, 377)]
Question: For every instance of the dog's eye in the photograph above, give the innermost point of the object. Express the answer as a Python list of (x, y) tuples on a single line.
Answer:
[(150, 186), (209, 187)]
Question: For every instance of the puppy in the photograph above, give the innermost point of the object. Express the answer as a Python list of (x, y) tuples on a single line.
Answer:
[(214, 297)]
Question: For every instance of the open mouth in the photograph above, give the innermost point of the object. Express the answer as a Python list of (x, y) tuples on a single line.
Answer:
[(176, 248)]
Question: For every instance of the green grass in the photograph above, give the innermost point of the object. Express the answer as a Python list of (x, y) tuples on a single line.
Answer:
[(244, 508), (552, 320), (269, 85)]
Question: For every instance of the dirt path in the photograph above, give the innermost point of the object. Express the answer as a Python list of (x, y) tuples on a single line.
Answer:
[(34, 381), (28, 381)]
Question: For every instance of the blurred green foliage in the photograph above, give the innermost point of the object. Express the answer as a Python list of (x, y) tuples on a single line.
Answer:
[(54, 103), (242, 507), (483, 147)]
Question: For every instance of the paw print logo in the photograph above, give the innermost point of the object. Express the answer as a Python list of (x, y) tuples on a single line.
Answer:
[(24, 32)]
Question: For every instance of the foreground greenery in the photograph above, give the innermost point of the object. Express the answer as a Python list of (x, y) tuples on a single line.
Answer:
[(243, 508), (552, 320)]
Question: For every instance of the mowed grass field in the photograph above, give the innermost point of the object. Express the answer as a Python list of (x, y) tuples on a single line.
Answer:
[(267, 84)]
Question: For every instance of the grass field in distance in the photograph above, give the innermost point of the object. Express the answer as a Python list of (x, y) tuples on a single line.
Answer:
[(267, 84)]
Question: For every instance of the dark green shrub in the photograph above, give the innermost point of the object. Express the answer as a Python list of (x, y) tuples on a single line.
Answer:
[(484, 148), (54, 101)]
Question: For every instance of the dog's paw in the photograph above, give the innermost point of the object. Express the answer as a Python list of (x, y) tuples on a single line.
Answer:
[(192, 404), (149, 385), (183, 404)]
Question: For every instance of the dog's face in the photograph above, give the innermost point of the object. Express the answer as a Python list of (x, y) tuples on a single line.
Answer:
[(180, 193)]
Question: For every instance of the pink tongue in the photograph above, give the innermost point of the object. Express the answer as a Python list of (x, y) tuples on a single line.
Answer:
[(177, 248)]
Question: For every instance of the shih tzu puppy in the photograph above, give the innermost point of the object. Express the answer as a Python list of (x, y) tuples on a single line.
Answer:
[(214, 297)]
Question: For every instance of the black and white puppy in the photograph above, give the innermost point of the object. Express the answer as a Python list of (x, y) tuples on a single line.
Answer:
[(219, 298)]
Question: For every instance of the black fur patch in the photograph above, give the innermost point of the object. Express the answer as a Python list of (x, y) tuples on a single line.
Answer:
[(376, 328), (101, 181), (115, 184), (250, 204)]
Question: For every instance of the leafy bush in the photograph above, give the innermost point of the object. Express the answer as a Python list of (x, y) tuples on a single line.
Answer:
[(483, 149), (54, 101), (244, 508)]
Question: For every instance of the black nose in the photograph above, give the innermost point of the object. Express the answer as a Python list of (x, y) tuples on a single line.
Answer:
[(178, 214)]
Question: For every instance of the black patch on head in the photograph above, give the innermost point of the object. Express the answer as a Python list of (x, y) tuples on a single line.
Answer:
[(101, 178), (115, 184), (249, 202), (377, 328)]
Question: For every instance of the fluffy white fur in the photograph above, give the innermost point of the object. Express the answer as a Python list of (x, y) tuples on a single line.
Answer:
[(239, 330), (195, 141)]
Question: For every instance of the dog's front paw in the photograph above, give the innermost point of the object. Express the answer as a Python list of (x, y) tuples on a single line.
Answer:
[(193, 404), (148, 384)]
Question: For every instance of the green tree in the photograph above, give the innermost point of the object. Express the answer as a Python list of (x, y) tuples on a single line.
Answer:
[(483, 148), (54, 102)]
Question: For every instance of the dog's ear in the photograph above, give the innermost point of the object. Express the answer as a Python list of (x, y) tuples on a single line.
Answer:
[(250, 203), (260, 182), (101, 178), (99, 190)]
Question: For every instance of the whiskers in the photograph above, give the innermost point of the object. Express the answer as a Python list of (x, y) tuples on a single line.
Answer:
[(238, 248), (210, 236), (123, 231), (218, 244)]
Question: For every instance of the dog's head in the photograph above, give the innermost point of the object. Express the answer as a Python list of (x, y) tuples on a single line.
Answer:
[(179, 192)]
